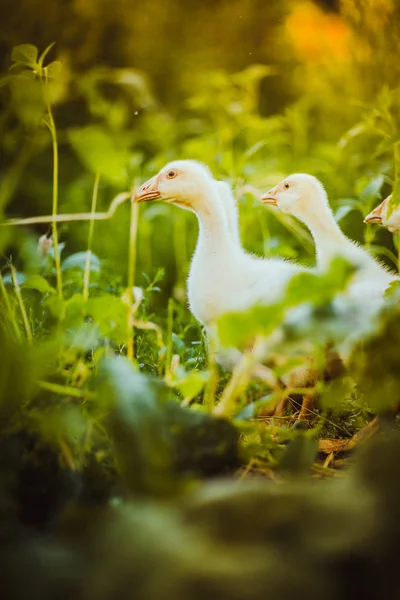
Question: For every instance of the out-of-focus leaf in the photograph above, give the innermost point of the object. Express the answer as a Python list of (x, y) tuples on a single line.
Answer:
[(28, 100), (54, 422), (251, 409), (319, 289), (20, 277), (137, 426), (395, 197), (111, 315), (78, 261), (100, 152), (335, 392), (371, 191), (299, 454), (374, 363), (26, 54), (53, 69), (240, 329), (191, 384), (36, 282)]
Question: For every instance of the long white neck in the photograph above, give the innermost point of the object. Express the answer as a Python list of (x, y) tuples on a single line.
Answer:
[(329, 239), (230, 208), (215, 239)]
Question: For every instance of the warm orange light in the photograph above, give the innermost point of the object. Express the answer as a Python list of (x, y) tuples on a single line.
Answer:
[(316, 35)]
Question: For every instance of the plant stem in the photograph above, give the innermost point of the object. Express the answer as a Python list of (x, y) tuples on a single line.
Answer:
[(211, 386), (170, 322), (179, 241), (63, 390), (237, 384), (71, 217), (86, 275), (25, 319), (10, 311), (131, 275), (53, 133)]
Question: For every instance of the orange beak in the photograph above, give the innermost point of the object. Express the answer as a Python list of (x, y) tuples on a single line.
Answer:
[(148, 191), (376, 215), (270, 196)]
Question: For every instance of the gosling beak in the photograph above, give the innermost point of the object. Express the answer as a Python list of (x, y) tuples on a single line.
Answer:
[(148, 191), (376, 215), (270, 197)]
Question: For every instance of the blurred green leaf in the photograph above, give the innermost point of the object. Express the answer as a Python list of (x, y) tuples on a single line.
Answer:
[(36, 282), (335, 392), (191, 384), (137, 426), (100, 152), (26, 54), (111, 316), (53, 69), (78, 261)]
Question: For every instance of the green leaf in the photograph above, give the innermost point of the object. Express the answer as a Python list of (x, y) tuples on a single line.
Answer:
[(26, 54), (299, 455), (317, 288), (78, 261), (28, 100), (191, 384), (137, 425), (100, 152), (53, 69), (36, 282), (45, 53), (395, 199), (371, 191), (336, 391), (110, 314), (239, 329), (56, 305)]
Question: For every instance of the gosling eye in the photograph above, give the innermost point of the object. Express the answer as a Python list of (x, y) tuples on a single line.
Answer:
[(287, 185), (172, 174)]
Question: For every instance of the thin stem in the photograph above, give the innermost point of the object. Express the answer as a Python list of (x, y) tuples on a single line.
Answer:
[(396, 237), (67, 454), (25, 319), (170, 322), (53, 132), (69, 217), (237, 384), (10, 311), (131, 275), (212, 383), (62, 390), (86, 275)]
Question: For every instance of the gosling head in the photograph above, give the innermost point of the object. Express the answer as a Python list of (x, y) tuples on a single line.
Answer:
[(299, 195), (181, 182), (378, 215)]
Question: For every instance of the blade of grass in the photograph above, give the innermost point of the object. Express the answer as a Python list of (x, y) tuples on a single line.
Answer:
[(10, 311), (131, 275), (212, 383), (170, 322), (52, 127), (86, 275), (21, 305)]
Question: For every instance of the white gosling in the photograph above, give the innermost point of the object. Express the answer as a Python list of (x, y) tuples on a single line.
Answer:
[(223, 278), (304, 197)]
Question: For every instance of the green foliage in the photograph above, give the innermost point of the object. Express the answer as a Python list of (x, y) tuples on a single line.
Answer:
[(105, 377)]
